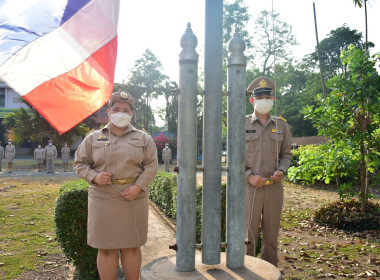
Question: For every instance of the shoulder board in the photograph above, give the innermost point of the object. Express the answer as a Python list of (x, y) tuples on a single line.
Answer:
[(91, 131), (146, 131), (280, 118), (248, 116)]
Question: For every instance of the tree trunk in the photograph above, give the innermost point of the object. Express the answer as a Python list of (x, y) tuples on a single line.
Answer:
[(363, 179)]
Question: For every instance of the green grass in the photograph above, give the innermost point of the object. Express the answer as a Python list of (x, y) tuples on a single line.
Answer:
[(27, 229)]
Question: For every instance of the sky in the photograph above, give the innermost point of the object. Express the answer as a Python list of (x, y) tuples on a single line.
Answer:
[(159, 25)]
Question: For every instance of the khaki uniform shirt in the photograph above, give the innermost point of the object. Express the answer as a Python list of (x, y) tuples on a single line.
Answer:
[(167, 153), (50, 151), (261, 150), (130, 155), (10, 152), (39, 153)]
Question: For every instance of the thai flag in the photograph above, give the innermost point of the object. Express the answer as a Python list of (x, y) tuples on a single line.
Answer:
[(60, 55)]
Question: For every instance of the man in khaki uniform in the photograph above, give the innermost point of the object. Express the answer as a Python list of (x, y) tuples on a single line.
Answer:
[(10, 153), (39, 156), (1, 155), (268, 143), (65, 156), (119, 161), (51, 155), (167, 157)]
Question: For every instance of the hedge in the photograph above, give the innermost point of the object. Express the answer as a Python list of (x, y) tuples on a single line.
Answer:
[(71, 228)]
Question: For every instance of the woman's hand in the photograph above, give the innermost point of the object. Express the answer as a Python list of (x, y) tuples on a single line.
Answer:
[(131, 192), (103, 178)]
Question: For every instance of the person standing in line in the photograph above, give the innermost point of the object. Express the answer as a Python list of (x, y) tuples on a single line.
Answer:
[(51, 155), (167, 157), (65, 156), (119, 162), (39, 156), (1, 155), (10, 152), (268, 155)]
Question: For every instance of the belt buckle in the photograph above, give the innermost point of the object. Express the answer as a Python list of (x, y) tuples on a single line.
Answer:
[(267, 182), (122, 181)]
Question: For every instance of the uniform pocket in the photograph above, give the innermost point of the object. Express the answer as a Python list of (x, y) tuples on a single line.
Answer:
[(135, 150), (251, 142), (276, 138), (99, 150)]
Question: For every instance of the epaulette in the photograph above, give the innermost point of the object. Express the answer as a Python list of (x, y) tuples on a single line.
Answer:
[(91, 131), (146, 131), (280, 118)]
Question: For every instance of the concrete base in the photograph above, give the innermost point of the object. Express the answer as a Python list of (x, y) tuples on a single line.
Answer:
[(165, 269)]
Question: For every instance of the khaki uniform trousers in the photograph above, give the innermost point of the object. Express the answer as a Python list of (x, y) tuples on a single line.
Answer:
[(166, 163), (266, 210), (50, 164)]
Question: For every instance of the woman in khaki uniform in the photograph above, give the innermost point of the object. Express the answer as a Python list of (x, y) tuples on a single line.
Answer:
[(119, 162), (10, 152)]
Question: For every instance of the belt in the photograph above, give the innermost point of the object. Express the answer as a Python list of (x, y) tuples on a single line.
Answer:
[(123, 181), (269, 182)]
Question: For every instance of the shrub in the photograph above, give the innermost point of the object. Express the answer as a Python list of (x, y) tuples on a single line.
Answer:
[(71, 228), (326, 162), (347, 215)]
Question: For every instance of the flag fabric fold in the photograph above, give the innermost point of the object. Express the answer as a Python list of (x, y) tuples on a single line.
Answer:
[(60, 55)]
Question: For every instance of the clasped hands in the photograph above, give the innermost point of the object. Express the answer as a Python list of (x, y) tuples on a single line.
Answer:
[(105, 178), (259, 181)]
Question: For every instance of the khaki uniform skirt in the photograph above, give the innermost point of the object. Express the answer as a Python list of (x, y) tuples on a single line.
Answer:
[(114, 222)]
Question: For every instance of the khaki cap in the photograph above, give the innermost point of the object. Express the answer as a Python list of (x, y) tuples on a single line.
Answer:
[(123, 97), (261, 86)]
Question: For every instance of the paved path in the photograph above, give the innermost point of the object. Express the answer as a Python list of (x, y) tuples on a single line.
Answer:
[(160, 235)]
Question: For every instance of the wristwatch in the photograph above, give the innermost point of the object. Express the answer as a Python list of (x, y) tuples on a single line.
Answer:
[(282, 171)]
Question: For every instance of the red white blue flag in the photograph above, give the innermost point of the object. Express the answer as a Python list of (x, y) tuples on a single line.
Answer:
[(60, 55)]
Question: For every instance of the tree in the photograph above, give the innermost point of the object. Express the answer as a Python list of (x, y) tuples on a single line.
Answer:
[(236, 15), (331, 47), (275, 38), (350, 113), (146, 82), (28, 123)]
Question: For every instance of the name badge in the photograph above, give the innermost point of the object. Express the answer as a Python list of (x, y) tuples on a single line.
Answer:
[(250, 131)]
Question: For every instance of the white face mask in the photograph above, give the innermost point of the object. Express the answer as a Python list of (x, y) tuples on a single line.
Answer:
[(9, 143), (121, 119), (263, 106), (39, 147), (50, 144)]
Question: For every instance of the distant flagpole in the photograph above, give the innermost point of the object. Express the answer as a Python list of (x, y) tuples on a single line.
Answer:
[(60, 56), (319, 54)]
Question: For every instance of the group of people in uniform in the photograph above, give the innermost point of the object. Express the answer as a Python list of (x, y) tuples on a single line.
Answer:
[(49, 153), (119, 162)]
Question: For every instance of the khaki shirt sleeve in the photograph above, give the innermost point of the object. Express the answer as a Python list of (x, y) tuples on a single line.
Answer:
[(285, 153), (150, 165), (83, 160)]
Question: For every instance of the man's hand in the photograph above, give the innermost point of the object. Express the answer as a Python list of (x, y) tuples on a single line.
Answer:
[(103, 178), (256, 180), (131, 192), (277, 176)]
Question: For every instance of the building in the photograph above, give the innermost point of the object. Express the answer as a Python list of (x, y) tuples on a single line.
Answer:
[(9, 101)]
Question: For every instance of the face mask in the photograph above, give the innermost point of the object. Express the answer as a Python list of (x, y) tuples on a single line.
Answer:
[(50, 144), (9, 143), (65, 145), (121, 119), (263, 106), (39, 147)]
